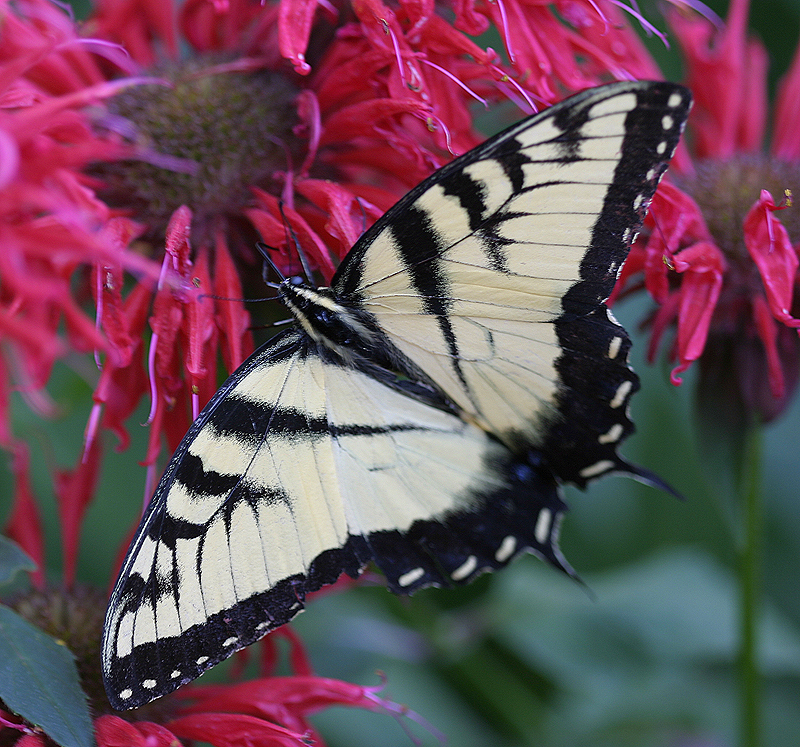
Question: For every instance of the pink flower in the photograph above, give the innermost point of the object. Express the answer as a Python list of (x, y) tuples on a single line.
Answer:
[(221, 147), (718, 255), (141, 158), (269, 711), (51, 225)]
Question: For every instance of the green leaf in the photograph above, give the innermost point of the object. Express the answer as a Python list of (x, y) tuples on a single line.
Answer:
[(12, 559), (39, 681)]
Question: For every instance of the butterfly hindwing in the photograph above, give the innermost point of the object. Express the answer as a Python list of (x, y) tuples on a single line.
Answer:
[(425, 409), (299, 470)]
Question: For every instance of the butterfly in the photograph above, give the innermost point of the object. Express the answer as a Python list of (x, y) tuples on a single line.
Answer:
[(423, 411)]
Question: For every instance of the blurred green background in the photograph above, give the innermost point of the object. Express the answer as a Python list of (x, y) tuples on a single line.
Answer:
[(644, 656)]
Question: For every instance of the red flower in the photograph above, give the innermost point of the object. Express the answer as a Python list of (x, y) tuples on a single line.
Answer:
[(718, 255), (221, 148), (51, 227), (221, 729), (130, 206)]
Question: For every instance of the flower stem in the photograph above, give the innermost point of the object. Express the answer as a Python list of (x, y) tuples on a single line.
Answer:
[(750, 586)]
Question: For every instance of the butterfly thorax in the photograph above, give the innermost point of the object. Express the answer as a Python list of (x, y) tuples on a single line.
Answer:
[(328, 322)]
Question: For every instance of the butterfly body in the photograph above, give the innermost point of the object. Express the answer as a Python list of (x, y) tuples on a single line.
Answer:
[(342, 330), (423, 411)]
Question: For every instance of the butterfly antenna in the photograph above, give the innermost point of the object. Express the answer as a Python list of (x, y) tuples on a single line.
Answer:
[(298, 248), (263, 250), (234, 299)]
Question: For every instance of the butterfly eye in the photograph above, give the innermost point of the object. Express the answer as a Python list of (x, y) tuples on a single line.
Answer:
[(523, 472), (296, 280)]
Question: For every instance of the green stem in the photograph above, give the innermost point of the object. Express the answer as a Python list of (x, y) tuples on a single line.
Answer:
[(750, 587)]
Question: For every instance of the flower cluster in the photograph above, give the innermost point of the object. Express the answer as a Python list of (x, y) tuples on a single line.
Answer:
[(287, 121), (143, 153), (719, 253)]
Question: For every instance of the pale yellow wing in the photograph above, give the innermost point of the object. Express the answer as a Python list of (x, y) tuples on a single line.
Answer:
[(299, 470), (480, 275)]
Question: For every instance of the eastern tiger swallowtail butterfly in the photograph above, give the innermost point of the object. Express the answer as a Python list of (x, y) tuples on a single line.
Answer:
[(423, 411)]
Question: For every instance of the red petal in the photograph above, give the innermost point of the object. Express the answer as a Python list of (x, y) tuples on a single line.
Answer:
[(156, 735), (676, 222), (468, 19), (768, 332), (438, 34), (31, 740), (112, 731), (308, 239), (286, 700), (298, 656), (337, 203), (633, 265), (24, 523), (74, 491), (199, 327), (786, 141), (666, 313), (140, 27), (703, 268), (768, 242), (717, 65), (233, 319), (363, 118), (107, 285), (294, 29), (753, 116), (179, 231), (234, 730)]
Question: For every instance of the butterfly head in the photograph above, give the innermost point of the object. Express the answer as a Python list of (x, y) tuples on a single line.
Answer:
[(327, 321)]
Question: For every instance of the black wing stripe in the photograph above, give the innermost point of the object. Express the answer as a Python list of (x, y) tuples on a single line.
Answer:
[(419, 247)]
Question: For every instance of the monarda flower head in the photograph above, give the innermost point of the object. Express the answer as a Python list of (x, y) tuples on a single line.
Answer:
[(719, 253), (144, 153)]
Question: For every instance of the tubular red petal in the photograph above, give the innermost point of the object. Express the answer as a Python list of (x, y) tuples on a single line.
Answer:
[(768, 332), (112, 731), (24, 524), (703, 268), (337, 202), (232, 319), (74, 490), (786, 140), (234, 730), (294, 29), (768, 242)]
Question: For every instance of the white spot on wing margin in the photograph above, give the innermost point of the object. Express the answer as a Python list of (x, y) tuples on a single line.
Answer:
[(411, 576)]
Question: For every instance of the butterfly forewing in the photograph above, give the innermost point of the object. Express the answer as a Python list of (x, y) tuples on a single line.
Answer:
[(423, 412), (520, 235)]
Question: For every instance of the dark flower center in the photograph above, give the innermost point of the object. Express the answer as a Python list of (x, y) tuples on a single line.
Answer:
[(204, 142), (725, 190)]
